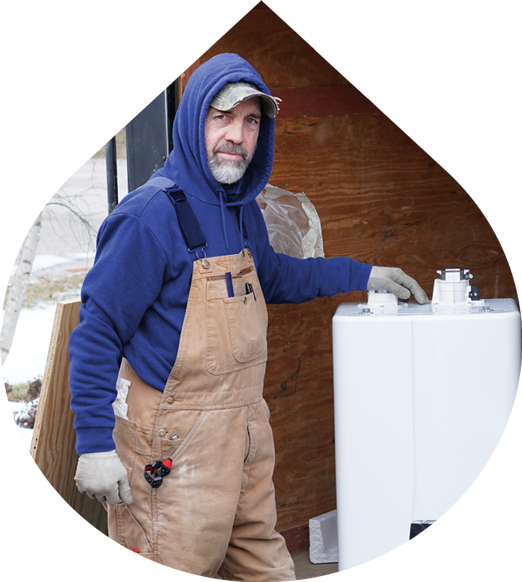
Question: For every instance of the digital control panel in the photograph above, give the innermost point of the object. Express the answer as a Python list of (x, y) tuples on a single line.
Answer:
[(430, 557)]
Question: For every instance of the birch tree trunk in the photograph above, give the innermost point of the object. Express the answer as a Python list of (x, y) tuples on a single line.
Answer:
[(34, 203), (6, 67)]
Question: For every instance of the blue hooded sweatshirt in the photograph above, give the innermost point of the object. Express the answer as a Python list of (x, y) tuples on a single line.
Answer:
[(135, 295)]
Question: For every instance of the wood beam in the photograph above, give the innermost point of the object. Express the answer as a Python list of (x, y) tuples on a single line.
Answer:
[(326, 101)]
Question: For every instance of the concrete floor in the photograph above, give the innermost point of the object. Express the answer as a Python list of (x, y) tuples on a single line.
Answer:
[(304, 569)]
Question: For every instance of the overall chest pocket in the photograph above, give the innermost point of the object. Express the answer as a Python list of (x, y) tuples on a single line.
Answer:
[(236, 326)]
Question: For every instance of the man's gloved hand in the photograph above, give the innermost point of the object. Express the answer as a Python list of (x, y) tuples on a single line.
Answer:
[(397, 282), (102, 475)]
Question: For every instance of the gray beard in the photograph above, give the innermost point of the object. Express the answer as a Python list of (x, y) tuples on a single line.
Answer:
[(226, 171)]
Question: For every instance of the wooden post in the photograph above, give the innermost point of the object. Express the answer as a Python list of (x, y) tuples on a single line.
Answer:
[(59, 533)]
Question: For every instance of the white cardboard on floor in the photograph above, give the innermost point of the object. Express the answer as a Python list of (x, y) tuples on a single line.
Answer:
[(323, 538)]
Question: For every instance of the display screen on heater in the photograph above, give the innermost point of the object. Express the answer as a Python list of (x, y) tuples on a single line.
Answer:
[(429, 550)]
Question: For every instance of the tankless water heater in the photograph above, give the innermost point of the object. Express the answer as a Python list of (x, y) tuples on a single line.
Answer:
[(422, 395)]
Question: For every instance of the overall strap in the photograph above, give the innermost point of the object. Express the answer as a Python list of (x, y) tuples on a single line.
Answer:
[(189, 225)]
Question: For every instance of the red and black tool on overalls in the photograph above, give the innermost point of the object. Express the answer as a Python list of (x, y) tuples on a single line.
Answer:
[(154, 473)]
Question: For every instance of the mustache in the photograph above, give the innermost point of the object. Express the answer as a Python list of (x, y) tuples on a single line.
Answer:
[(231, 148)]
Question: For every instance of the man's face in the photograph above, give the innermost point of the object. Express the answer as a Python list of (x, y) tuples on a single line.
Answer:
[(231, 139)]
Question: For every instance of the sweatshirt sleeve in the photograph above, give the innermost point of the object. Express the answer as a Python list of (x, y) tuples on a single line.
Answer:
[(126, 277), (286, 279)]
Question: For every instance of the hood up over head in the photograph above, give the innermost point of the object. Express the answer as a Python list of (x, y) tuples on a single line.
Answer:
[(187, 164)]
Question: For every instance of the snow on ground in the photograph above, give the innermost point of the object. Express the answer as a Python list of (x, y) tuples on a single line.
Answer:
[(25, 362), (45, 262), (28, 355), (65, 247)]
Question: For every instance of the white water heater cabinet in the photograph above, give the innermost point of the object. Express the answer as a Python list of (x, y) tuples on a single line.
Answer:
[(428, 437)]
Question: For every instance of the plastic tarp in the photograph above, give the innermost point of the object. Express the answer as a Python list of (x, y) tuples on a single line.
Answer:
[(293, 225)]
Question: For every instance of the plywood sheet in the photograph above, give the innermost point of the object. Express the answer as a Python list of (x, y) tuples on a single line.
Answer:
[(357, 99), (294, 49), (59, 533), (299, 393), (423, 191)]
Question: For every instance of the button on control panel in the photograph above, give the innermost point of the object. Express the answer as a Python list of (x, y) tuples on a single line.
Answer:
[(430, 574)]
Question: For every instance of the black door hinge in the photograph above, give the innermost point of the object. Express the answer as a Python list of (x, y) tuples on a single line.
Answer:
[(134, 31)]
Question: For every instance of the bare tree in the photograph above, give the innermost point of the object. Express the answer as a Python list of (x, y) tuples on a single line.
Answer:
[(39, 158), (78, 117)]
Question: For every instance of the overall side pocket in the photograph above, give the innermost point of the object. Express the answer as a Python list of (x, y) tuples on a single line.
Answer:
[(131, 526)]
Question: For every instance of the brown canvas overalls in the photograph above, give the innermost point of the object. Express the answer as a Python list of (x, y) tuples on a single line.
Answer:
[(214, 515)]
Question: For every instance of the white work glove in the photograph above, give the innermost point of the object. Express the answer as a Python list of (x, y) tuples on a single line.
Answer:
[(103, 476), (397, 282)]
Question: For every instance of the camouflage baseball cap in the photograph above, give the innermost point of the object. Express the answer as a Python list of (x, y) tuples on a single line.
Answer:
[(233, 94)]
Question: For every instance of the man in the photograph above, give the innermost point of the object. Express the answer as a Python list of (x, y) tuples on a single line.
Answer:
[(168, 360)]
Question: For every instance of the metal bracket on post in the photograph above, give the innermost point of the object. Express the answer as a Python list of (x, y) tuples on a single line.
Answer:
[(134, 31)]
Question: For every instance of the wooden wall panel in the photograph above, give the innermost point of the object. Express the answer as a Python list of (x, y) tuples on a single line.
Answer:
[(382, 200), (352, 99), (298, 389), (427, 189), (308, 49)]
